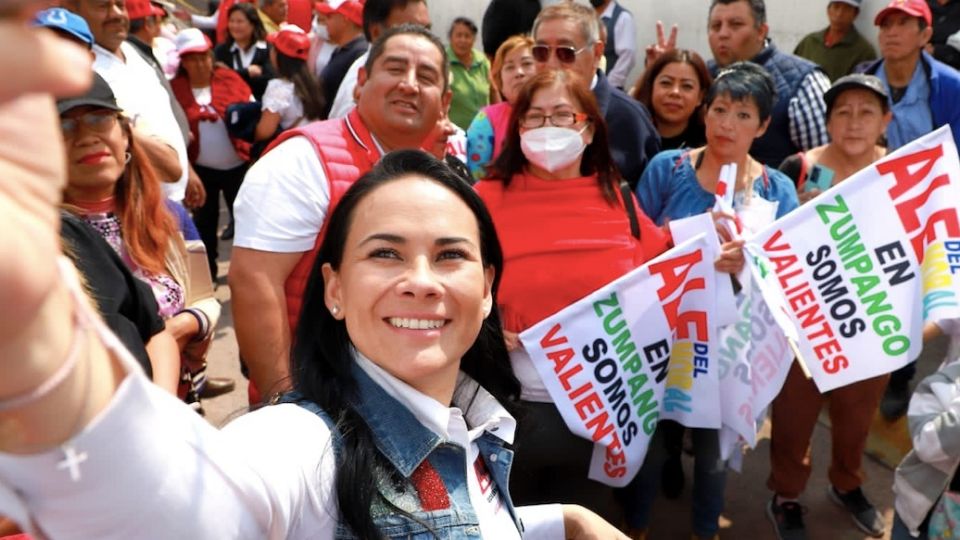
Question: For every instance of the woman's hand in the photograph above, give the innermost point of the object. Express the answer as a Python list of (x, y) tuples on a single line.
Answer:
[(663, 44), (512, 340), (254, 71), (582, 524), (731, 259)]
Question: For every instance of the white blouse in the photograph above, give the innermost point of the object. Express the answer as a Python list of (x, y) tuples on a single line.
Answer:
[(148, 467), (280, 97)]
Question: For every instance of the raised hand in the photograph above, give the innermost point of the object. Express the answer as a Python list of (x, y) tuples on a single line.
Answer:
[(662, 45)]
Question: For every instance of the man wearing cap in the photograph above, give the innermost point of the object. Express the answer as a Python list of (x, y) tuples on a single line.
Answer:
[(567, 36), (144, 28), (737, 30), (924, 92), (378, 16), (283, 205), (344, 22), (838, 48), (138, 90)]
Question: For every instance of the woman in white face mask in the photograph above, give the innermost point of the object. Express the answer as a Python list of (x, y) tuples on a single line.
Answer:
[(560, 214)]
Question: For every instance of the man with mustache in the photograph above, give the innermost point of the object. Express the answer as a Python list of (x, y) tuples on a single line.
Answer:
[(288, 194)]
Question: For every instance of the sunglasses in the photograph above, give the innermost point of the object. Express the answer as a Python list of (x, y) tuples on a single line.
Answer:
[(96, 122), (565, 53)]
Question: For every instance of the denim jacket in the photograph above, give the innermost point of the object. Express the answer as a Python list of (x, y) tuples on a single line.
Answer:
[(412, 448)]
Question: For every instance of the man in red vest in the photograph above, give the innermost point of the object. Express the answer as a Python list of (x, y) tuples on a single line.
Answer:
[(282, 208)]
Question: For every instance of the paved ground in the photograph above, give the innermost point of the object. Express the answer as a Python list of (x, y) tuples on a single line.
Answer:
[(746, 492)]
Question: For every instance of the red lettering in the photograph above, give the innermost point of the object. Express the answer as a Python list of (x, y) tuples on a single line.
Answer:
[(582, 389), (560, 359), (699, 321), (827, 348), (588, 405), (900, 169), (837, 364), (601, 427), (770, 244), (670, 308), (824, 330), (907, 209), (566, 375), (671, 277), (805, 297), (548, 341), (809, 316)]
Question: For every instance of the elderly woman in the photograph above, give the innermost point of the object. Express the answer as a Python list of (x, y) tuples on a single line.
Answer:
[(682, 183), (512, 66), (396, 430), (112, 186), (470, 73), (857, 117), (204, 91)]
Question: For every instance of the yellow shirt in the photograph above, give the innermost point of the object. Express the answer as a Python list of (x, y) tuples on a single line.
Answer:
[(268, 23)]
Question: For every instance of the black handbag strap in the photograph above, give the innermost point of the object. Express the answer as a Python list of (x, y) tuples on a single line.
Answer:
[(627, 196)]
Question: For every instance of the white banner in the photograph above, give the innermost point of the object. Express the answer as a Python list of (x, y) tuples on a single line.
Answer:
[(864, 265), (605, 359)]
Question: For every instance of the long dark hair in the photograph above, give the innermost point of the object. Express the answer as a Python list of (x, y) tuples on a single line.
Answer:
[(305, 85), (644, 91), (250, 12), (596, 157), (322, 350)]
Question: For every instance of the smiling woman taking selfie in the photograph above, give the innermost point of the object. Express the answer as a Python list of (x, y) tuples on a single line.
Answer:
[(396, 427)]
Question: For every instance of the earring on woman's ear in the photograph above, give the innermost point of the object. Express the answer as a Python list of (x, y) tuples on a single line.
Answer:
[(335, 310), (127, 157)]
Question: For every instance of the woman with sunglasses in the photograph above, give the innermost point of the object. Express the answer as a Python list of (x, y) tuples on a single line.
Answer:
[(112, 187), (682, 183), (512, 66), (556, 171), (396, 429)]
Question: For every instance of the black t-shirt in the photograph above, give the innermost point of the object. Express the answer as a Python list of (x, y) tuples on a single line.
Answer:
[(692, 137), (126, 304)]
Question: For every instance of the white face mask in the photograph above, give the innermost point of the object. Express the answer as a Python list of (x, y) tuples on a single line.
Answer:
[(320, 30), (551, 147)]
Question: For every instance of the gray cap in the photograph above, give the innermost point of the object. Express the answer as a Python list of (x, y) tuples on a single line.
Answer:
[(99, 95), (856, 80), (854, 3)]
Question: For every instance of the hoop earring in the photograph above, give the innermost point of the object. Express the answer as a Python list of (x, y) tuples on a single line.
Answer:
[(127, 157)]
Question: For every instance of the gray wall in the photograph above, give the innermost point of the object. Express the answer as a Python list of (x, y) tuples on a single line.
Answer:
[(789, 20)]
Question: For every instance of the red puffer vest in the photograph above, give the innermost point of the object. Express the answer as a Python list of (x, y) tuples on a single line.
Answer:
[(347, 152)]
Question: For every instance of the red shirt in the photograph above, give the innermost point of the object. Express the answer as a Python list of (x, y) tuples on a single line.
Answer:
[(561, 241)]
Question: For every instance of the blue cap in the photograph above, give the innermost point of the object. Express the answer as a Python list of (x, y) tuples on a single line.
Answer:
[(65, 21)]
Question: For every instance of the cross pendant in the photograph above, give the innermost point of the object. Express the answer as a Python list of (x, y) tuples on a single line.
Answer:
[(71, 461)]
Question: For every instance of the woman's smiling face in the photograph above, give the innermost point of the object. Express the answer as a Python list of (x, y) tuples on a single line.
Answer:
[(412, 287)]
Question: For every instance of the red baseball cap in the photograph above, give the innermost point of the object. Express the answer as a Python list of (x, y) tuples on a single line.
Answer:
[(141, 9), (291, 41), (913, 8), (351, 9)]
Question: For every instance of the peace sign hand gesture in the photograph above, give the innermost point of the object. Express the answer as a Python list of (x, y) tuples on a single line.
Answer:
[(662, 45)]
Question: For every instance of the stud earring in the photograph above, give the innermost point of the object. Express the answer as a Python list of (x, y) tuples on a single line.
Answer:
[(335, 310)]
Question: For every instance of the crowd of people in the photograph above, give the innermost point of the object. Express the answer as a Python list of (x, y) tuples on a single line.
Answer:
[(399, 206)]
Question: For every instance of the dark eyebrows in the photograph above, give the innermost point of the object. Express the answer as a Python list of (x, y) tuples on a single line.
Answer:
[(397, 239)]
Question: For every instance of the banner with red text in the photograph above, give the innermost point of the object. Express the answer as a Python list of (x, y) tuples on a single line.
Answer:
[(607, 359), (861, 267)]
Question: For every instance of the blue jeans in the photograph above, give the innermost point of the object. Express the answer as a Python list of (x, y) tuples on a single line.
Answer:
[(709, 481)]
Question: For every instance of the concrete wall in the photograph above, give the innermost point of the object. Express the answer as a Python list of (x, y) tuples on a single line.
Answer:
[(789, 20)]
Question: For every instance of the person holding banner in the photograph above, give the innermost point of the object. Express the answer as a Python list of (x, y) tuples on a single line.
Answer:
[(683, 183), (556, 170), (858, 112)]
